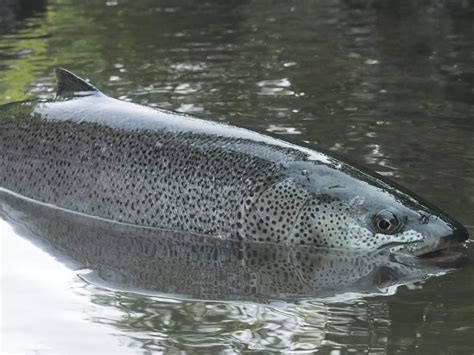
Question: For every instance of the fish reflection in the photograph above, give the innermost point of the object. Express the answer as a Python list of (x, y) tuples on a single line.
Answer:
[(148, 260)]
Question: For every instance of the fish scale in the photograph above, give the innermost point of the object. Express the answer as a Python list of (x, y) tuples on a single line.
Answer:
[(153, 261), (89, 153), (170, 185)]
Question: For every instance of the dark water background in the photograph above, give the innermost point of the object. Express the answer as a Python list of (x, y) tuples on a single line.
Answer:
[(389, 84)]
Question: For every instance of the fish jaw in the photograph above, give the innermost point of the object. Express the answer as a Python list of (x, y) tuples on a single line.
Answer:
[(427, 246)]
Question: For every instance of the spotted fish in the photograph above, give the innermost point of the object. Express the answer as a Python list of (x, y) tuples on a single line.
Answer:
[(89, 153), (148, 260)]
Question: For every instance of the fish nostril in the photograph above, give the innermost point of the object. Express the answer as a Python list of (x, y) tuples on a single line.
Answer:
[(424, 219)]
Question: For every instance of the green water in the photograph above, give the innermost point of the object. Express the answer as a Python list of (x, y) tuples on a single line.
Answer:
[(388, 84)]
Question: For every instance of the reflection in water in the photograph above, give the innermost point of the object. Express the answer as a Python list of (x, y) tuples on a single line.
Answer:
[(14, 12), (401, 70), (185, 325), (22, 55), (151, 260), (165, 264)]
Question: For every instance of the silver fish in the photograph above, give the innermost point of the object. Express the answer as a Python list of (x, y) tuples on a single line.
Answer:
[(103, 157), (154, 261)]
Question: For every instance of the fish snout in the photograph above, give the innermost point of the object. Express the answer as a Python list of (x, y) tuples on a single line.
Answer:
[(437, 233), (458, 236), (443, 228), (447, 234)]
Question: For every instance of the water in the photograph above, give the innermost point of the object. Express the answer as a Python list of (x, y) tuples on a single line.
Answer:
[(388, 84)]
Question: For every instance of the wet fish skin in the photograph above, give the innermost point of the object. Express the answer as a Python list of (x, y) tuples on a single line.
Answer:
[(96, 155), (154, 261)]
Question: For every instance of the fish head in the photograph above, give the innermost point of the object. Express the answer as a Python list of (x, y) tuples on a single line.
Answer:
[(345, 207)]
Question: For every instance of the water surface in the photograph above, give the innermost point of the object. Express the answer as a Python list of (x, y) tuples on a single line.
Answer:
[(388, 84)]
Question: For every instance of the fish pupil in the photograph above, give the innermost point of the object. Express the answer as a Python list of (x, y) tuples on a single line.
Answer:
[(384, 224)]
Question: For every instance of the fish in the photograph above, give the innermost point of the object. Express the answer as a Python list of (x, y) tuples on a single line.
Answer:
[(89, 153), (152, 261)]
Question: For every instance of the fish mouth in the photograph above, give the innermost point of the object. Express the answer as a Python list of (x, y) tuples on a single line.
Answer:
[(431, 247)]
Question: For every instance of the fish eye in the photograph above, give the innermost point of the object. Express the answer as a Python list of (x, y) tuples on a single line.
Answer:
[(386, 222)]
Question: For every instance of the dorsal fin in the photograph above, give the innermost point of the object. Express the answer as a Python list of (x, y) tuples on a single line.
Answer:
[(69, 83)]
